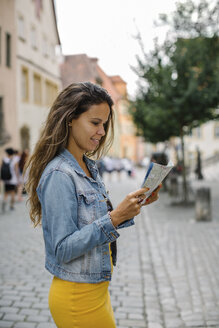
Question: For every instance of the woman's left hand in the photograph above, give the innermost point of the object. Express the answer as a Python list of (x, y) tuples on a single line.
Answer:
[(153, 197)]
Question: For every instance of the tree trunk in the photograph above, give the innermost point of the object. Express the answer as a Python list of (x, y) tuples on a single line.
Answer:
[(185, 189)]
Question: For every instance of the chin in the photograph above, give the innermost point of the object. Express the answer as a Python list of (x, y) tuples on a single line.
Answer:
[(90, 149)]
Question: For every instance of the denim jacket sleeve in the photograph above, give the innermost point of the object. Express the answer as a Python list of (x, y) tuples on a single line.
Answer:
[(59, 204)]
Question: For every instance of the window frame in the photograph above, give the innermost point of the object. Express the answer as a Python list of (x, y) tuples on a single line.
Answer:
[(26, 71), (216, 128), (21, 28), (35, 100), (8, 49), (0, 45)]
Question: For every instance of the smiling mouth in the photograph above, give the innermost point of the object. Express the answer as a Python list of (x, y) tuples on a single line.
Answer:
[(96, 141)]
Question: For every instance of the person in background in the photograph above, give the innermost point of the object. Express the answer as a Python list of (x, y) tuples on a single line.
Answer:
[(22, 178), (109, 165), (68, 196), (10, 185), (118, 166), (128, 166), (198, 169), (16, 159)]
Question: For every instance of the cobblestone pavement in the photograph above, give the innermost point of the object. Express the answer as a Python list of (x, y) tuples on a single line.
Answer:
[(167, 274), (168, 270)]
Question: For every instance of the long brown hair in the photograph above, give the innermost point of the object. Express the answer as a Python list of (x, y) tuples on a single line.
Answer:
[(74, 100)]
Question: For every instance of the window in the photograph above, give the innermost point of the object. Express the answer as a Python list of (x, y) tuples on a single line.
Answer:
[(124, 109), (8, 50), (45, 47), (25, 137), (216, 131), (197, 132), (0, 45), (99, 81), (21, 28), (38, 8), (51, 92), (1, 117), (128, 128), (33, 38), (4, 136), (37, 89), (24, 85), (52, 51)]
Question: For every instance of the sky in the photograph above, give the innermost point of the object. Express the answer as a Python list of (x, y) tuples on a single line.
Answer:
[(106, 30)]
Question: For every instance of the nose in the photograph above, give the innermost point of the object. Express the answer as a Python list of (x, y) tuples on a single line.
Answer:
[(101, 131)]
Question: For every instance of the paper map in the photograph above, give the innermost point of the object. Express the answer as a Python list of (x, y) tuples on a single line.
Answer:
[(155, 175)]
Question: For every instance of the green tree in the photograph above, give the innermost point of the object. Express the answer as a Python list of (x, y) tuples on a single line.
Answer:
[(180, 88)]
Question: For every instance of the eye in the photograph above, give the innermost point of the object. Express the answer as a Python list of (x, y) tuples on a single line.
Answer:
[(95, 123)]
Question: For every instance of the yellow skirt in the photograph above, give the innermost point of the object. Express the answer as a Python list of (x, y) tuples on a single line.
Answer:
[(80, 305)]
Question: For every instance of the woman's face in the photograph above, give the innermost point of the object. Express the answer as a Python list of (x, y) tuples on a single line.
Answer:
[(86, 131)]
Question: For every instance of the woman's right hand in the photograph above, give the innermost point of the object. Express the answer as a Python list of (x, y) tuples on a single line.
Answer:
[(129, 207)]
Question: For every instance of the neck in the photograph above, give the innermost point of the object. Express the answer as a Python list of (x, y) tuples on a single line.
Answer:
[(78, 155)]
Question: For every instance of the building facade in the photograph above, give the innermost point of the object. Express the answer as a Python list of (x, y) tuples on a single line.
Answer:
[(34, 66), (205, 139), (8, 113), (129, 143), (81, 68)]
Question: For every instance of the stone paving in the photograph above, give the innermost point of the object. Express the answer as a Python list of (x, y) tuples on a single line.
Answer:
[(176, 283), (167, 274)]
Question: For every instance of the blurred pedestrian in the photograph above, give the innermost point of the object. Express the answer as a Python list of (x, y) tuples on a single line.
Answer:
[(10, 184), (16, 159), (68, 196), (22, 178), (118, 166), (198, 169), (128, 166), (109, 165)]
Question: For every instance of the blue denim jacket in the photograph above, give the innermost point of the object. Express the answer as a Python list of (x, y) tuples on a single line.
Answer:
[(77, 229)]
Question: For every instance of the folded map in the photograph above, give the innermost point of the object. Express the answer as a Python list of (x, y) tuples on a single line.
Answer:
[(155, 175)]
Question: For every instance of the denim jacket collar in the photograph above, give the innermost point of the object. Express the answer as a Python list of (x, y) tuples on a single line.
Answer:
[(65, 154)]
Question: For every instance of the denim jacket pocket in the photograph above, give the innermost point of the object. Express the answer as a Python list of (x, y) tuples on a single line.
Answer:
[(87, 208)]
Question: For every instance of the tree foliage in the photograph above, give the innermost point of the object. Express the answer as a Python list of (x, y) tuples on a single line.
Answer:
[(181, 77), (181, 80)]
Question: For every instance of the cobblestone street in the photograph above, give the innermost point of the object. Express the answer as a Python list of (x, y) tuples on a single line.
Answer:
[(167, 274)]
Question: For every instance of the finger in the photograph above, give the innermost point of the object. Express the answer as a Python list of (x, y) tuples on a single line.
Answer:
[(155, 192), (154, 200), (150, 200), (142, 196), (158, 188), (141, 199), (139, 192)]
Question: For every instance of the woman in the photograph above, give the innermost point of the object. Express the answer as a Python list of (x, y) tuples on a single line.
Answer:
[(22, 179), (79, 224), (11, 184)]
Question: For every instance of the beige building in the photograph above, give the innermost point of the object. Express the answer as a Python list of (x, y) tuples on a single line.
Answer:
[(8, 113), (206, 139), (34, 68), (129, 143)]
